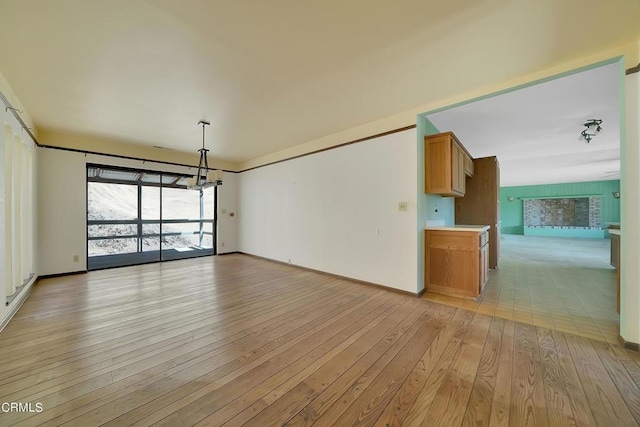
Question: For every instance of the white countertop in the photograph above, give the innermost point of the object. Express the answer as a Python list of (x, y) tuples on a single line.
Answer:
[(615, 231), (476, 228)]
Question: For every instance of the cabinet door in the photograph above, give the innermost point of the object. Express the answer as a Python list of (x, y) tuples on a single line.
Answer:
[(451, 263), (444, 165), (437, 164), (484, 266), (481, 256), (462, 178), (468, 165), (457, 168), (455, 176)]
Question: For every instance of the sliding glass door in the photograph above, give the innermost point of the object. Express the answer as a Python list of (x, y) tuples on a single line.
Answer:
[(136, 216), (187, 222), (112, 224)]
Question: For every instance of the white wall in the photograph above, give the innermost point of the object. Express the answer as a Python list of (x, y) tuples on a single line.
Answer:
[(630, 213), (62, 197), (227, 219), (63, 200), (337, 211)]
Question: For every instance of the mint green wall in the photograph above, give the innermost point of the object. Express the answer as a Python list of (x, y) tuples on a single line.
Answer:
[(434, 207), (511, 212), (566, 232)]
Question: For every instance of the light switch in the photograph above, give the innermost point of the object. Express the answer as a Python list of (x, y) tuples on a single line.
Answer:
[(402, 206)]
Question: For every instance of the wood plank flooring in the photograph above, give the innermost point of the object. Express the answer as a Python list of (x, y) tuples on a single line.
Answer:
[(236, 340)]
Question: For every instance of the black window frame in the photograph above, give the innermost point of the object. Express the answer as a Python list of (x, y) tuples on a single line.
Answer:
[(140, 222)]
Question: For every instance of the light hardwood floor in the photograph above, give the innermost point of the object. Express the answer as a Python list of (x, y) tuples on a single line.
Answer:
[(236, 340)]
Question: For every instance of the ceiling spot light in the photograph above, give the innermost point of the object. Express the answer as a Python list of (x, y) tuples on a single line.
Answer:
[(591, 128)]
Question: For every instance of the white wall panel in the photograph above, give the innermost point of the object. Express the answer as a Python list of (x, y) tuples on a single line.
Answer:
[(337, 211)]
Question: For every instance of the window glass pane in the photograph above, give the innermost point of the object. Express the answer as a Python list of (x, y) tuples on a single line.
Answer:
[(108, 230), (186, 236), (150, 177), (209, 202), (182, 181), (118, 175), (150, 229), (150, 202), (207, 237), (112, 246), (112, 201), (170, 179), (150, 244), (178, 203)]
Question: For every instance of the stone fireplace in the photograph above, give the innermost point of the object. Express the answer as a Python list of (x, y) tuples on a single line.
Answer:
[(575, 216)]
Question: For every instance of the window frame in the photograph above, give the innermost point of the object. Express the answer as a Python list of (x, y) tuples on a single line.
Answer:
[(139, 221)]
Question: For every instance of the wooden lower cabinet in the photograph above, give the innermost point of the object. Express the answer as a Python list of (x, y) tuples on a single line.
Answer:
[(615, 250), (615, 262), (484, 266), (456, 262)]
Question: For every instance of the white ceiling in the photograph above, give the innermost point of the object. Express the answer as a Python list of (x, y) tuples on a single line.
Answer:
[(273, 74), (535, 131)]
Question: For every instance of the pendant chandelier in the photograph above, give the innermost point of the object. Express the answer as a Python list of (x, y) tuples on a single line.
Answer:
[(204, 178)]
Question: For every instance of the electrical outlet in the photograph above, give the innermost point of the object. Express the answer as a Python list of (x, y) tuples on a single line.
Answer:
[(76, 258), (402, 206)]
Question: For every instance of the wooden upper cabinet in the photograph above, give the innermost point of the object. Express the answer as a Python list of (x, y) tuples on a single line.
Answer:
[(446, 165), (458, 167), (468, 166)]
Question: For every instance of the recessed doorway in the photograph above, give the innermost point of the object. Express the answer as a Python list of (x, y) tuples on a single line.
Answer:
[(559, 194)]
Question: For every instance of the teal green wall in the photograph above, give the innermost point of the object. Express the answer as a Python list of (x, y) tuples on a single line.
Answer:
[(566, 232), (433, 206), (511, 212)]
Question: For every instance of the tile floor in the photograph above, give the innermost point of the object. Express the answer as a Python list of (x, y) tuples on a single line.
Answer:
[(558, 283)]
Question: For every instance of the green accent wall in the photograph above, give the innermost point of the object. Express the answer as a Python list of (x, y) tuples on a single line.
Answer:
[(433, 206), (566, 232), (511, 217)]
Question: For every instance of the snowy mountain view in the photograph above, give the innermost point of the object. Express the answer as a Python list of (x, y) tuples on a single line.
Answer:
[(106, 201)]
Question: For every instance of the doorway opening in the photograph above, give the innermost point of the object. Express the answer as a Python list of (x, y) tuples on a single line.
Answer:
[(559, 196)]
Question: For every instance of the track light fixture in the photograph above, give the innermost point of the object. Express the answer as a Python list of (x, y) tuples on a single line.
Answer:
[(591, 128)]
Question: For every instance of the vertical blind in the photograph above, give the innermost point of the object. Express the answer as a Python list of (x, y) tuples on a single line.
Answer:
[(18, 216)]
